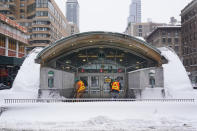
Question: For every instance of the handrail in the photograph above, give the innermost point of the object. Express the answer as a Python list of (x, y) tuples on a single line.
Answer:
[(71, 100)]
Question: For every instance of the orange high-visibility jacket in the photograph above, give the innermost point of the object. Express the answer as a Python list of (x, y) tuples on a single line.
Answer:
[(116, 86), (81, 86)]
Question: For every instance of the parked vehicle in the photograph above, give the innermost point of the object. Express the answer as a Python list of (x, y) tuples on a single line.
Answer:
[(3, 87)]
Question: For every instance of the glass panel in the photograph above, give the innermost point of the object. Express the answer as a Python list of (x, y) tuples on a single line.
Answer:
[(94, 89), (106, 84), (94, 81), (120, 79)]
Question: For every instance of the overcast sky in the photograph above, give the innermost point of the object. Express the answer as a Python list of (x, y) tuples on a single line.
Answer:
[(111, 15)]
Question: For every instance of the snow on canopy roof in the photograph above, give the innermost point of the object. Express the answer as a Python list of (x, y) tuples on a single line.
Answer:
[(141, 38), (169, 26)]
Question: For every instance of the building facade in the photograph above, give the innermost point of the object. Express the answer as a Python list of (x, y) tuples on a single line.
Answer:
[(135, 12), (43, 19), (72, 12), (166, 36), (189, 39), (13, 41), (141, 29)]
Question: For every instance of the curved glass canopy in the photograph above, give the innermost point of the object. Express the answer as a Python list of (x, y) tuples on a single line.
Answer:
[(102, 60)]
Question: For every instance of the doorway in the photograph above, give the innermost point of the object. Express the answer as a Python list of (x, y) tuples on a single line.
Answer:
[(98, 85)]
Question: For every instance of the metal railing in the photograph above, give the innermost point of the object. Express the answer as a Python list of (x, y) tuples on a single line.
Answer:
[(11, 101)]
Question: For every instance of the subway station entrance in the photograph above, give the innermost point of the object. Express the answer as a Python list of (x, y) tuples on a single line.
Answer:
[(96, 58), (99, 65)]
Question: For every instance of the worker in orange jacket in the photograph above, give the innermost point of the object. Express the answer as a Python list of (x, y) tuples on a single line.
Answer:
[(115, 88), (80, 89)]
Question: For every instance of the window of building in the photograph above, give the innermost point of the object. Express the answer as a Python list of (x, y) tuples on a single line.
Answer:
[(42, 13), (140, 34), (21, 48), (72, 29), (190, 25), (176, 34), (140, 26), (22, 16), (190, 37), (22, 5), (40, 29), (169, 40), (163, 40), (140, 30), (40, 22), (31, 8), (40, 35), (22, 10), (186, 62), (12, 44), (40, 41), (41, 3), (195, 35), (2, 41), (176, 40), (176, 48)]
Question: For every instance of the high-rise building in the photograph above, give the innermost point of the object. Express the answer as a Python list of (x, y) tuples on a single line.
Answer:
[(135, 12), (72, 11), (43, 18), (189, 39)]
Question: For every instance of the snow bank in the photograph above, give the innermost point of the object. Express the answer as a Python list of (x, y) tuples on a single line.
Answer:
[(26, 83), (176, 80), (28, 77)]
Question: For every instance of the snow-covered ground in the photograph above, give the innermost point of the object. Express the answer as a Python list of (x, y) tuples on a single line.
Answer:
[(105, 116)]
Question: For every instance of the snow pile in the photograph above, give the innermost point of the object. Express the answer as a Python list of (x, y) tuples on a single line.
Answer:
[(176, 80), (48, 94), (26, 83), (148, 93)]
